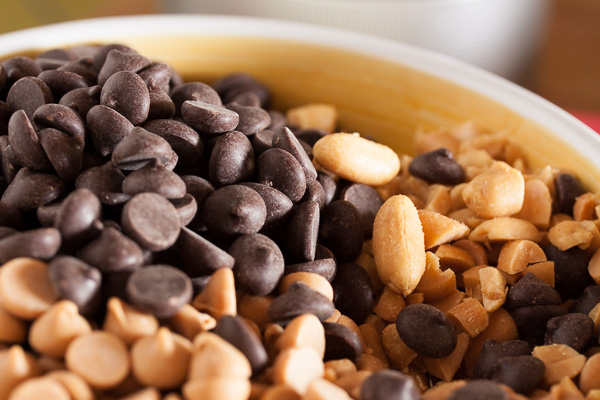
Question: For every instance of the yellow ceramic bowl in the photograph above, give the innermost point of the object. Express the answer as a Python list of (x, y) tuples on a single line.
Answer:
[(381, 88)]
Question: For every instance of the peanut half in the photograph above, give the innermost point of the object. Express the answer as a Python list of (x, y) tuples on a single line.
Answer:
[(399, 244), (357, 159)]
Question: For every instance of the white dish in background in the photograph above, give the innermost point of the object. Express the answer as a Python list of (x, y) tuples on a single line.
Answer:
[(381, 87)]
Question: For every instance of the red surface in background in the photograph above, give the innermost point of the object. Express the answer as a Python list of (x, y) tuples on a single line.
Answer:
[(591, 119)]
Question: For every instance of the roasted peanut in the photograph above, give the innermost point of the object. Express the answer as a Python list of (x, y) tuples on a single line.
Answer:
[(516, 255), (561, 361), (438, 229), (537, 204), (504, 229), (567, 234)]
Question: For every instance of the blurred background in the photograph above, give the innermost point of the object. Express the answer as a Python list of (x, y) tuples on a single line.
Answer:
[(552, 47)]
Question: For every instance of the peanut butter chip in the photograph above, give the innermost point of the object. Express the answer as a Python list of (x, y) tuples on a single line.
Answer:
[(144, 394), (127, 322), (12, 329), (214, 357), (52, 331), (40, 388), (25, 288), (313, 116), (322, 389), (303, 331), (16, 367), (356, 159), (399, 244), (101, 358), (75, 385), (218, 388), (161, 360), (218, 297), (297, 368)]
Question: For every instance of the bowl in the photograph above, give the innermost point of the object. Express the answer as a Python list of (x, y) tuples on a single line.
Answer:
[(381, 88)]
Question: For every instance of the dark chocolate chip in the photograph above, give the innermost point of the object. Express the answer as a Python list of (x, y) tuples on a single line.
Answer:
[(477, 390), (99, 54), (105, 181), (82, 100), (118, 60), (10, 216), (196, 91), (329, 186), (60, 117), (237, 332), (200, 189), (567, 188), (279, 206), (232, 159), (161, 105), (155, 178), (426, 330), (30, 190), (64, 151), (326, 268), (341, 342), (492, 351), (42, 243), (26, 149), (530, 290), (258, 263), (280, 169), (234, 210), (388, 384), (575, 330), (587, 301), (77, 281), (366, 200), (352, 292), (182, 138), (310, 136), (209, 118), (127, 93), (107, 128), (570, 270), (140, 147), (200, 256), (531, 321), (5, 113), (315, 192), (251, 119), (262, 141), (298, 300), (302, 232), (19, 67), (9, 168), (246, 99), (437, 166), (521, 373), (82, 66), (61, 82), (186, 208), (78, 218), (341, 230), (160, 290), (28, 94), (112, 251), (151, 220), (285, 139), (160, 73)]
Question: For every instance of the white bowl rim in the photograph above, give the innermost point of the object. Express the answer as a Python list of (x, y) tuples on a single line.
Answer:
[(522, 101)]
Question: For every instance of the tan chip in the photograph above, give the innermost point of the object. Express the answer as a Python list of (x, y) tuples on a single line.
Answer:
[(189, 322), (399, 244), (357, 159), (298, 368), (321, 389), (16, 366), (12, 329), (127, 322), (303, 331), (218, 297), (40, 388), (215, 357), (75, 385), (219, 388), (313, 116)]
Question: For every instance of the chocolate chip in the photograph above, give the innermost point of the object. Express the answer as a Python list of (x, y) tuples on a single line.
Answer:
[(437, 166), (76, 281), (151, 220), (29, 190), (118, 60), (389, 384), (140, 147), (209, 118), (10, 216), (341, 342), (279, 206), (182, 138), (326, 268), (570, 270), (60, 117), (263, 141), (328, 185), (78, 218), (567, 189), (231, 86), (82, 66), (107, 128), (161, 105), (521, 373), (298, 300), (28, 94), (237, 332), (105, 181), (279, 169), (231, 160), (352, 292), (531, 321), (234, 210), (302, 232), (492, 350), (25, 145), (475, 390), (9, 168), (62, 82), (112, 251), (530, 290), (186, 208), (64, 151), (200, 256), (315, 192), (366, 200), (155, 178), (100, 54), (19, 67), (42, 243), (160, 290), (200, 189), (5, 113), (258, 263), (426, 330), (285, 139), (196, 91), (251, 119), (587, 301), (310, 136), (575, 330), (82, 100), (127, 93), (341, 230)]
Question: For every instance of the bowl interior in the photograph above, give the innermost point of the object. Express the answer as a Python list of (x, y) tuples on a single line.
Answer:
[(377, 96)]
